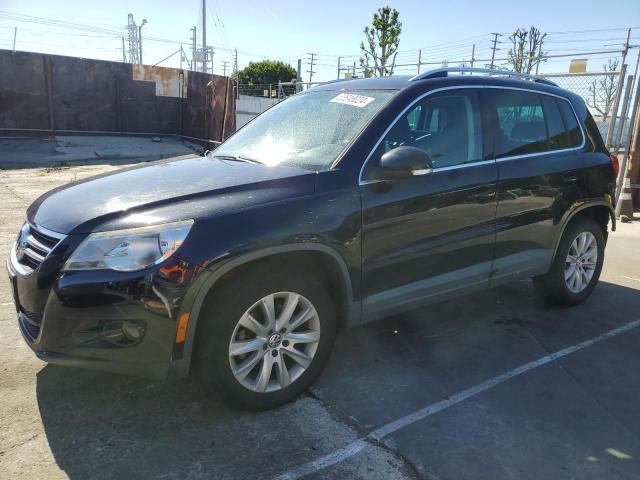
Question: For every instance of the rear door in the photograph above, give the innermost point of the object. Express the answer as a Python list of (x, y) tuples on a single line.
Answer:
[(537, 140), (425, 236)]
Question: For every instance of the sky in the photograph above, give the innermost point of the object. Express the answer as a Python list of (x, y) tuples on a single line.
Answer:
[(288, 30)]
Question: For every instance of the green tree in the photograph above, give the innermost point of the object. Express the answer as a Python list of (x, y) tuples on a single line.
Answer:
[(384, 34), (526, 49), (265, 73)]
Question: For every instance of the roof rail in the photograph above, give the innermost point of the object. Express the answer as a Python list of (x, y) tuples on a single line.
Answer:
[(444, 72)]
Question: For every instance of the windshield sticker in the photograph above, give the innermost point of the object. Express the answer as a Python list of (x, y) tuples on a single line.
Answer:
[(353, 100)]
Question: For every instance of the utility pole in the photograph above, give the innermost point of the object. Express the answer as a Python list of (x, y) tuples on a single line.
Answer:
[(144, 22), (224, 68), (338, 77), (124, 56), (473, 54), (310, 71), (419, 59), (204, 35), (299, 76), (539, 55), (132, 37), (493, 52), (194, 65), (15, 33), (235, 63)]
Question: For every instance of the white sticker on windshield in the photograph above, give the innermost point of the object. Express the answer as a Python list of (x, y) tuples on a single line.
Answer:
[(353, 100)]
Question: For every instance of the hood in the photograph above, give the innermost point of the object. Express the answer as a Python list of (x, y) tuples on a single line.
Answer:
[(171, 187)]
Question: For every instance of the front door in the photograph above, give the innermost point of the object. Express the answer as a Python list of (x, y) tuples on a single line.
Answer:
[(430, 235)]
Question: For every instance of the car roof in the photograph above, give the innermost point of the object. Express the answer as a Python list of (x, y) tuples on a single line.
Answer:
[(405, 83), (396, 82)]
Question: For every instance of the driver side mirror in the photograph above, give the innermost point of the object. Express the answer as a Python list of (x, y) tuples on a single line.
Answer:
[(406, 161)]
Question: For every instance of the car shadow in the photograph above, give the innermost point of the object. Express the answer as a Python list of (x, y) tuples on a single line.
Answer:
[(100, 425)]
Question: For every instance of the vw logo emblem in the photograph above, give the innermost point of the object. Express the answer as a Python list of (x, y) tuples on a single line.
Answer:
[(22, 244), (274, 340)]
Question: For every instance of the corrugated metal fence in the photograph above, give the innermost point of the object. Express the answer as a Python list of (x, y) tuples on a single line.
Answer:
[(51, 93)]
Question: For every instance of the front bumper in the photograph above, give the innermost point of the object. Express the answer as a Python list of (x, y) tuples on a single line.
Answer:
[(111, 321)]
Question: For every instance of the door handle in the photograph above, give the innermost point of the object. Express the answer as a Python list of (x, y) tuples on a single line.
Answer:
[(570, 177)]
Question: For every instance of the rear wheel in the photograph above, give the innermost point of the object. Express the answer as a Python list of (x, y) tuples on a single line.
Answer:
[(266, 338), (577, 265)]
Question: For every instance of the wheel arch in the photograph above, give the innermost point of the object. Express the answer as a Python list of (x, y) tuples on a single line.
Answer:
[(348, 309), (600, 211)]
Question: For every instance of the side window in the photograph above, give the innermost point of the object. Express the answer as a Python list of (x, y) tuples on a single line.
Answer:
[(558, 135), (414, 118), (573, 129), (446, 127), (521, 123)]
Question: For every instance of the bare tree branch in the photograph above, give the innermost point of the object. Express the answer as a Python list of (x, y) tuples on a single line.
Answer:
[(526, 49)]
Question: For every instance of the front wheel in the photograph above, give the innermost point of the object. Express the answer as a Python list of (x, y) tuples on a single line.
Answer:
[(266, 338), (577, 265)]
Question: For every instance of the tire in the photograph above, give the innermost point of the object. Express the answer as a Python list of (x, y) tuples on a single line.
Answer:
[(220, 323), (553, 286)]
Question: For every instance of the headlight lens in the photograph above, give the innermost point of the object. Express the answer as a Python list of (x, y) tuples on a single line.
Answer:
[(129, 250)]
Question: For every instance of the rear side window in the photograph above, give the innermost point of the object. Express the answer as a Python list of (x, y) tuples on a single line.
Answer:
[(573, 129), (533, 123), (521, 123), (558, 135)]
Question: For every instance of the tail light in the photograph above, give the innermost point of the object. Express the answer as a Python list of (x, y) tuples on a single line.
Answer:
[(615, 164)]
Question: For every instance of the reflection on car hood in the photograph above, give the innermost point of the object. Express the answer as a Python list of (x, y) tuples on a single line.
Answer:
[(83, 205)]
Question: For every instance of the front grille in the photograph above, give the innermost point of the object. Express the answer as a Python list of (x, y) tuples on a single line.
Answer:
[(34, 245), (30, 324)]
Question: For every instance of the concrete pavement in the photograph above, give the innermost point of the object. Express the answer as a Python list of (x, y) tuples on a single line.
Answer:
[(573, 417)]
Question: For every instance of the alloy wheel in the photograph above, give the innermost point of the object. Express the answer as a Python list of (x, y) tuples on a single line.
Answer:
[(274, 342), (581, 262)]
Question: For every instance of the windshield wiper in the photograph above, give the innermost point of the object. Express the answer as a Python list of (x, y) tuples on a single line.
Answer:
[(237, 158)]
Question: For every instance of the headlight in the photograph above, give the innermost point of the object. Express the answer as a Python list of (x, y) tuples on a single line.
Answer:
[(129, 250)]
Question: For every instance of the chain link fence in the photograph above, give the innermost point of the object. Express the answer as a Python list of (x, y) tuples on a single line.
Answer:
[(603, 94)]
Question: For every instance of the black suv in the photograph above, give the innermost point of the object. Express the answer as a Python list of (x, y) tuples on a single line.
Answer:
[(342, 204)]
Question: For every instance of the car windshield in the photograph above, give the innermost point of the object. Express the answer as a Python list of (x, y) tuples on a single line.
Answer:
[(309, 130)]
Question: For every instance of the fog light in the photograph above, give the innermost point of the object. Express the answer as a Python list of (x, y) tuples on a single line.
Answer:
[(124, 333)]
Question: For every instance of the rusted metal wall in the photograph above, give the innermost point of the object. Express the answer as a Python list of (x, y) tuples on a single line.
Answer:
[(55, 93)]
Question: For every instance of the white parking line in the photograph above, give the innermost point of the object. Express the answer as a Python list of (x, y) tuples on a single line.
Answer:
[(357, 446)]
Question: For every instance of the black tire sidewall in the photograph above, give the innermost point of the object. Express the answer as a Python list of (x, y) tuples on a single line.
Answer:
[(221, 317)]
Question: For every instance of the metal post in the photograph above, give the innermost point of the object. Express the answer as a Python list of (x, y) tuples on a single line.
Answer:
[(623, 165), (616, 105), (419, 59), (624, 112), (473, 55), (204, 35), (299, 76), (338, 77), (15, 33)]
